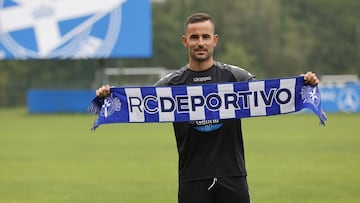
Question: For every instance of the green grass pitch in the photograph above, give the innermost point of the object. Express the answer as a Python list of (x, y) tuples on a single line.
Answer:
[(56, 158)]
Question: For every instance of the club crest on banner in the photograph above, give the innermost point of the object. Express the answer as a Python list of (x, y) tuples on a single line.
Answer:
[(59, 29), (348, 100)]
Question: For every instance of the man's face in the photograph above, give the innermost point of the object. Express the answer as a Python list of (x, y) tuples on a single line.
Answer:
[(200, 40)]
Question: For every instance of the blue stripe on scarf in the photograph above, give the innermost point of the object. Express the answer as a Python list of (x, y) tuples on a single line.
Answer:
[(210, 91), (239, 87), (207, 102), (152, 104), (180, 90), (269, 89)]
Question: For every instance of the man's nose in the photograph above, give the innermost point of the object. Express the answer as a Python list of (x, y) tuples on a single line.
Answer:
[(201, 43)]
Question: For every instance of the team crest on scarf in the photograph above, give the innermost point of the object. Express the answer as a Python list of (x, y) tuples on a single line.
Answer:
[(311, 95), (110, 106)]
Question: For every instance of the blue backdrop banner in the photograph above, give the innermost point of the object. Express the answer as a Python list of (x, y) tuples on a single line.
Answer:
[(58, 101), (344, 98), (75, 29)]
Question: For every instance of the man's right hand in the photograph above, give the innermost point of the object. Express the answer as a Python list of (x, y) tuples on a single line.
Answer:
[(103, 91)]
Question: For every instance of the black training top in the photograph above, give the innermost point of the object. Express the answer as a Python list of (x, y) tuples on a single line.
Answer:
[(211, 148)]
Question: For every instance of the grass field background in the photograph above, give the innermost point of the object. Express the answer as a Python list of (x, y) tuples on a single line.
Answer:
[(56, 158)]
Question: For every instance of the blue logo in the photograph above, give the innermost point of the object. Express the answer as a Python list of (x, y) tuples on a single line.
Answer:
[(69, 29), (348, 100), (110, 106), (311, 95), (208, 125)]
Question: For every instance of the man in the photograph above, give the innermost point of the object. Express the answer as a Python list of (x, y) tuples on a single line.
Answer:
[(211, 153)]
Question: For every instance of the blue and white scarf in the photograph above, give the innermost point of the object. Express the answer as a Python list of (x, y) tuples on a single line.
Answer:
[(207, 102)]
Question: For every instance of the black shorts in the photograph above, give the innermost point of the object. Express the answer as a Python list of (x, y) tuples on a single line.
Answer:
[(216, 190)]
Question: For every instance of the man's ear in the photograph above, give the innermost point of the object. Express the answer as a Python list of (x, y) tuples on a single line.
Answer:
[(184, 40), (216, 38)]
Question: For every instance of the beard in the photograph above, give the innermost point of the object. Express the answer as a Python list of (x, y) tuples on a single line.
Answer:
[(200, 57)]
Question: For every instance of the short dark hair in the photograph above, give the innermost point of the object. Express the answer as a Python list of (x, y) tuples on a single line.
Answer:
[(198, 17)]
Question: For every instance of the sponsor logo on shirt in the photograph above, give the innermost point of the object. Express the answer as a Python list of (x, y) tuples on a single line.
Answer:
[(207, 125)]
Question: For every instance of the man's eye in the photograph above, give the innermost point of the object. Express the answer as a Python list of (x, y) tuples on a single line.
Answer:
[(194, 37)]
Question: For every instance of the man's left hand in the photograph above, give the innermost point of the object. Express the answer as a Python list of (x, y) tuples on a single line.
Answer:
[(311, 78)]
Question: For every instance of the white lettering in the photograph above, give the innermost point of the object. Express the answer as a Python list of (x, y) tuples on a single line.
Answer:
[(202, 79)]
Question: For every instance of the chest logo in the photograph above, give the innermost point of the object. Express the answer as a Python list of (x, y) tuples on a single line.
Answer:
[(202, 79)]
